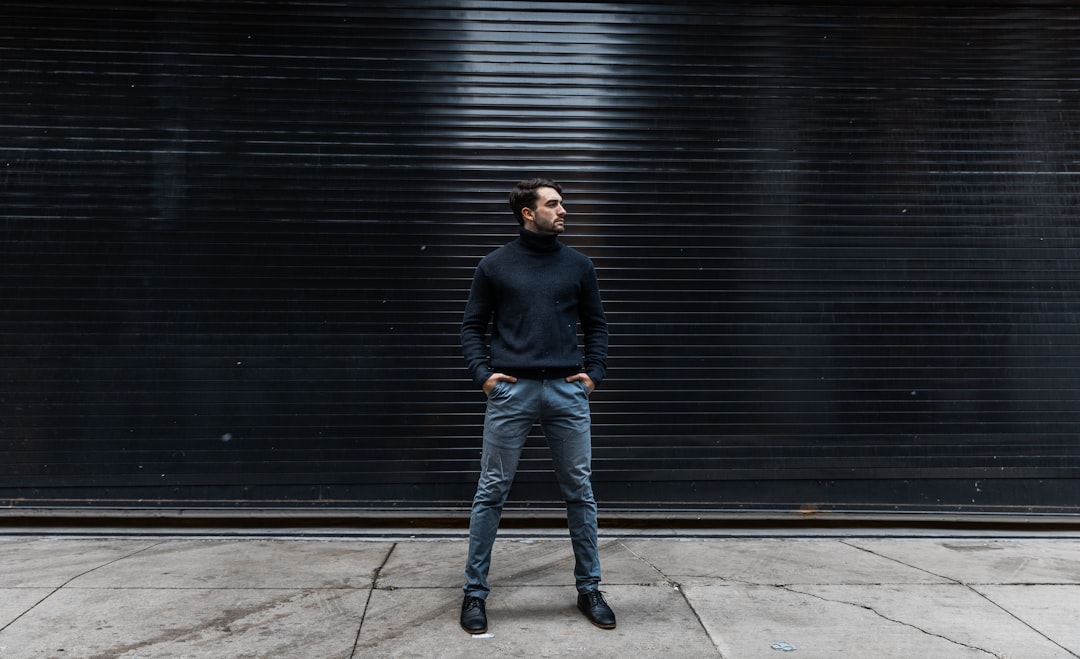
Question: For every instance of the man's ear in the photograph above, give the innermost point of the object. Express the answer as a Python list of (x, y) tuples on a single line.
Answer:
[(527, 214)]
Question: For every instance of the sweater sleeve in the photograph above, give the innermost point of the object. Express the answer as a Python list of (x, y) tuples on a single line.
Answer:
[(474, 328), (594, 328)]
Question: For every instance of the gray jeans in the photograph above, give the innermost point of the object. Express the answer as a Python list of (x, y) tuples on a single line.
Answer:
[(562, 409)]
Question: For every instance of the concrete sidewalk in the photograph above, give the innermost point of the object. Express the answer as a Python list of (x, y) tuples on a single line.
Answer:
[(737, 598)]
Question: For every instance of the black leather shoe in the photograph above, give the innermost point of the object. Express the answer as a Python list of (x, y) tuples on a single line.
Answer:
[(473, 616), (596, 609)]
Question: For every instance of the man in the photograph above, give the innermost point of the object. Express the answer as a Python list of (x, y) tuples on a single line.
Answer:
[(534, 292)]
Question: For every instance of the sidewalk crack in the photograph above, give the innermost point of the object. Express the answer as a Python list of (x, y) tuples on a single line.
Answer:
[(677, 587), (77, 576), (371, 591), (667, 580), (881, 615), (970, 588), (1020, 620)]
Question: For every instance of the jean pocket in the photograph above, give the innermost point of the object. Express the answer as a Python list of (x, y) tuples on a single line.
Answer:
[(500, 389)]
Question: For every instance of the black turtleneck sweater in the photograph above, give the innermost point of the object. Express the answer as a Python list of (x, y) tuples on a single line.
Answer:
[(534, 292)]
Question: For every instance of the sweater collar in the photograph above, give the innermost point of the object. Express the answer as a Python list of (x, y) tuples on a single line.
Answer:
[(538, 242)]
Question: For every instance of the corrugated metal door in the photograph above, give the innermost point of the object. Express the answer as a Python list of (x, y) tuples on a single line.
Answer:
[(837, 244)]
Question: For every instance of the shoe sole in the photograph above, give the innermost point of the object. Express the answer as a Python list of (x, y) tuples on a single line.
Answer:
[(475, 631)]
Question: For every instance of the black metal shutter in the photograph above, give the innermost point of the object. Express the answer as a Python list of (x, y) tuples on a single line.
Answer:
[(837, 244)]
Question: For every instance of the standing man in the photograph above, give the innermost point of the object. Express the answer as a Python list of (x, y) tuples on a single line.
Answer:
[(534, 292)]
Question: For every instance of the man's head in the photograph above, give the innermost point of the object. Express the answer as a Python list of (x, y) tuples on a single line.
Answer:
[(537, 205)]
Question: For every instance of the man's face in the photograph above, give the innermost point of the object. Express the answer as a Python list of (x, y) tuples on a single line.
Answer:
[(548, 217)]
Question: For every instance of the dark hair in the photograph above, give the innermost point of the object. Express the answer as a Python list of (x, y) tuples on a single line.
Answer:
[(524, 195)]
